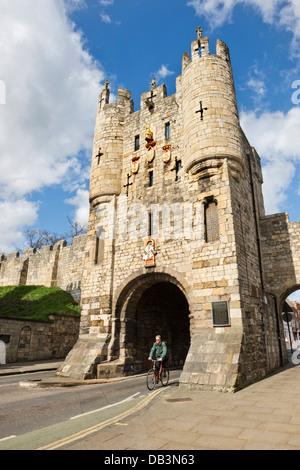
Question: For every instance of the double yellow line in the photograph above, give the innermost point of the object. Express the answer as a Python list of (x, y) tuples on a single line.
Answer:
[(98, 427)]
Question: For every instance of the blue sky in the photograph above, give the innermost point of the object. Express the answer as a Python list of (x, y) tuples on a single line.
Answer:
[(56, 55)]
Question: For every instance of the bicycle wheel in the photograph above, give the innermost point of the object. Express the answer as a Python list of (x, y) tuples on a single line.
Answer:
[(151, 379), (165, 380)]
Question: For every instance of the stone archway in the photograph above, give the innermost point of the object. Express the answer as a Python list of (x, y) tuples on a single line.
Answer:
[(291, 327), (150, 304), (286, 293), (163, 309)]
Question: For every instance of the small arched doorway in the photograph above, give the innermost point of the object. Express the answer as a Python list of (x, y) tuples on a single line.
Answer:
[(24, 344), (152, 304)]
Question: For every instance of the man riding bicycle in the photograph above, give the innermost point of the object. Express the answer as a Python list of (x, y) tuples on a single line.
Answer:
[(159, 348)]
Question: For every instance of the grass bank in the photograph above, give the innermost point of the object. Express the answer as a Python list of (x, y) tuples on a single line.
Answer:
[(36, 302)]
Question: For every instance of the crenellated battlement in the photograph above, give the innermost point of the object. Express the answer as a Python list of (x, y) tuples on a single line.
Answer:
[(49, 266)]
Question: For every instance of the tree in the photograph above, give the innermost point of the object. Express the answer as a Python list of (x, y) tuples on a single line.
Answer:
[(36, 238), (75, 228)]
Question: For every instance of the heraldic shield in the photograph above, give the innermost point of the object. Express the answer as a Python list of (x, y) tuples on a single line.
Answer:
[(135, 163), (167, 153)]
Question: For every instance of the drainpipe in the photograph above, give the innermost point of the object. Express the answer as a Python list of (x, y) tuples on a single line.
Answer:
[(278, 327)]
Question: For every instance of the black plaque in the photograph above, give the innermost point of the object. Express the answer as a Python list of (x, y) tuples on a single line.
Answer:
[(220, 313)]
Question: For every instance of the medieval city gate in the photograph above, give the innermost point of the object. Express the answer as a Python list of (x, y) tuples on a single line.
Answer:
[(151, 304), (213, 286)]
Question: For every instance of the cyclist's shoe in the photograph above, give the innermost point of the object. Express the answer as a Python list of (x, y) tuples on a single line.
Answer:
[(164, 373)]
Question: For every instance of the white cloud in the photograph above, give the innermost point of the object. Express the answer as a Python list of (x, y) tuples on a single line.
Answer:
[(163, 72), (14, 216), (217, 12), (258, 86), (277, 179), (275, 137), (52, 86), (105, 18), (106, 2), (81, 202), (279, 12)]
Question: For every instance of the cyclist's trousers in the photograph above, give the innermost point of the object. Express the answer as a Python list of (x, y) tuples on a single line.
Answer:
[(158, 363)]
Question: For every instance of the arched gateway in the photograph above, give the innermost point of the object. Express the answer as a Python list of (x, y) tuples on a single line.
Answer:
[(150, 304), (178, 242)]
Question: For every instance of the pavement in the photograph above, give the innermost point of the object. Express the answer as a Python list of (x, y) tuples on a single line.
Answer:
[(263, 416), (28, 367)]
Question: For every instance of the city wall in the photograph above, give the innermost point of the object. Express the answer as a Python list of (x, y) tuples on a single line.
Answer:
[(59, 265)]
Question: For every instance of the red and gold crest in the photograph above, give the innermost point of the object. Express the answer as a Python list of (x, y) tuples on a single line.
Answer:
[(166, 153), (135, 164), (150, 145), (150, 154)]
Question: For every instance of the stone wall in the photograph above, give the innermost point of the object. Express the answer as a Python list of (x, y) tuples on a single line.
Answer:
[(34, 341), (281, 254), (59, 265)]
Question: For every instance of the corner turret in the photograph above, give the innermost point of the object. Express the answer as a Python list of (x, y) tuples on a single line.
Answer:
[(108, 145), (211, 125)]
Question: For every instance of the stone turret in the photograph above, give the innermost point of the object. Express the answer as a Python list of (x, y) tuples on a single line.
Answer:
[(108, 145), (210, 115)]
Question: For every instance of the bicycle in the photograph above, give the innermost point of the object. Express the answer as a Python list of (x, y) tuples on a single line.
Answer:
[(154, 376)]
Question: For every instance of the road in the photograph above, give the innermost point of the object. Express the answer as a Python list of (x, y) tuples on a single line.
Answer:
[(60, 411)]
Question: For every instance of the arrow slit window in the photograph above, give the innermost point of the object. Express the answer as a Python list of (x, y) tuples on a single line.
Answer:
[(211, 220), (167, 131)]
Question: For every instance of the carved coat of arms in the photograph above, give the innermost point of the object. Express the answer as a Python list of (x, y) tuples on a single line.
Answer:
[(135, 164), (150, 145), (166, 153)]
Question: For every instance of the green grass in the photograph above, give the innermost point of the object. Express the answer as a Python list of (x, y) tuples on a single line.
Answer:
[(36, 302)]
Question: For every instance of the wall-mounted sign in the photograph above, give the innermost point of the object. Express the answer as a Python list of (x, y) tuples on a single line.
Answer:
[(220, 313)]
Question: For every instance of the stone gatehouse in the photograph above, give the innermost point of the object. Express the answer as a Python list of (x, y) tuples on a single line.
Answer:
[(178, 242)]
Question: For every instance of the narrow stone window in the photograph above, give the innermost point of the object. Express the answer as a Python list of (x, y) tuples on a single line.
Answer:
[(177, 169), (150, 178), (167, 130), (150, 224), (211, 221), (99, 252), (136, 143)]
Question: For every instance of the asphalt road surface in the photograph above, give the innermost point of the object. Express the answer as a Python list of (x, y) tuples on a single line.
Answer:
[(59, 411)]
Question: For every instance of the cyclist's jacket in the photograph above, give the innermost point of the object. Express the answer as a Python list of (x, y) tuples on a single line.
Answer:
[(160, 350)]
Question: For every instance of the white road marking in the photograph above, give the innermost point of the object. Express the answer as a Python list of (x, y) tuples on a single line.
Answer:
[(6, 438), (105, 407)]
